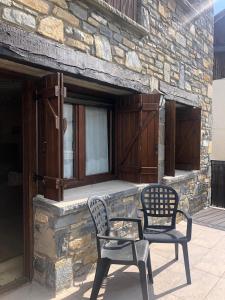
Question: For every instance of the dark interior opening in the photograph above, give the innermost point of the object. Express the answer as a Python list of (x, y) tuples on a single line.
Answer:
[(11, 181)]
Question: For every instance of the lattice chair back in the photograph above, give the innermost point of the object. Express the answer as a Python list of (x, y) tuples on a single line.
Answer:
[(159, 201), (99, 214)]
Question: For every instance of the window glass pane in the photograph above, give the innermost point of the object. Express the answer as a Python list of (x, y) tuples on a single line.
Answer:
[(68, 141), (97, 157)]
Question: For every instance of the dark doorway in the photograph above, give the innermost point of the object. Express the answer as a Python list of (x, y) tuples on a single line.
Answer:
[(218, 183), (11, 181)]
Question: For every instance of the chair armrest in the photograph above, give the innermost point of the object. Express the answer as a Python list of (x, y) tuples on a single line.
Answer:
[(112, 238), (136, 220), (189, 223)]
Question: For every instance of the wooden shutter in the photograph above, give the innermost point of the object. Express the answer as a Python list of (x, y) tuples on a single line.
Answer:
[(170, 133), (137, 138), (50, 105), (188, 138)]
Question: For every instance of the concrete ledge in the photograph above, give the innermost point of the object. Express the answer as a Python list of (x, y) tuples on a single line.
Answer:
[(180, 176), (76, 199)]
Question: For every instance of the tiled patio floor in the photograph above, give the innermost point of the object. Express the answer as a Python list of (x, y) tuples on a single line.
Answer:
[(207, 258)]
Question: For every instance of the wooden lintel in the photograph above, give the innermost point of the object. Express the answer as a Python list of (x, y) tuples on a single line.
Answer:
[(32, 49)]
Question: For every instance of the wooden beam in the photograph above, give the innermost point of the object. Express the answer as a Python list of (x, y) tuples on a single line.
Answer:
[(32, 49)]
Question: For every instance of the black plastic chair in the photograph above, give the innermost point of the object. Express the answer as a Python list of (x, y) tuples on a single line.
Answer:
[(162, 201), (116, 250)]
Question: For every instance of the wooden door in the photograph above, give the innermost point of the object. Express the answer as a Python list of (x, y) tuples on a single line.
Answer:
[(137, 138), (29, 121)]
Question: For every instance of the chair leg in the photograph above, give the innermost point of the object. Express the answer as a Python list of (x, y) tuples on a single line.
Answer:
[(186, 262), (176, 251), (107, 270), (144, 281), (150, 275), (101, 269)]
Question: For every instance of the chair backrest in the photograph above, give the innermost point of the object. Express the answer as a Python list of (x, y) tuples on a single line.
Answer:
[(99, 214), (159, 201)]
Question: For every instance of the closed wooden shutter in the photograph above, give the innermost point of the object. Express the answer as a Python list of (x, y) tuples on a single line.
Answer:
[(50, 114), (188, 138), (137, 120), (127, 7), (170, 134)]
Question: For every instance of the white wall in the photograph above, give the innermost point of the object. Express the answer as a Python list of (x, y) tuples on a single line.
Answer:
[(218, 109)]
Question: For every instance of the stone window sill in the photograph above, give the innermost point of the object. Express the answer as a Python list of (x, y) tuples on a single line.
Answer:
[(119, 17), (180, 175), (76, 198)]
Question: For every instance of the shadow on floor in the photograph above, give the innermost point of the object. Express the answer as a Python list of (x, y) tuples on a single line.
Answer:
[(123, 284)]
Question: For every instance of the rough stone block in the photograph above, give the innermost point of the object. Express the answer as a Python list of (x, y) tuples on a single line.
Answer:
[(78, 11), (52, 28), (61, 3), (63, 274), (128, 43), (38, 5), (6, 2), (83, 37), (103, 48), (133, 62), (89, 28), (77, 44), (41, 217), (99, 19), (105, 31), (44, 242), (19, 17), (79, 243), (119, 52), (66, 16), (181, 39)]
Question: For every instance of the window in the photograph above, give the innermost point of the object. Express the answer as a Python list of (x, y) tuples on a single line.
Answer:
[(182, 137), (69, 139), (87, 141), (127, 7), (96, 134), (87, 136)]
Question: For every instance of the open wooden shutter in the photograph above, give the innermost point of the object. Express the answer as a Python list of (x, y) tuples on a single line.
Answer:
[(137, 138), (188, 138), (170, 134), (50, 109)]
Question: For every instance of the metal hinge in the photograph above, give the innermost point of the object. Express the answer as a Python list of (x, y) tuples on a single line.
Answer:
[(59, 183), (63, 91)]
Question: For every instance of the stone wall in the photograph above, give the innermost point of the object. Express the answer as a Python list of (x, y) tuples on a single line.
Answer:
[(64, 240)]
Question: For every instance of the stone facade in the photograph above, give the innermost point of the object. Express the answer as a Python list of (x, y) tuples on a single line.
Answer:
[(170, 44)]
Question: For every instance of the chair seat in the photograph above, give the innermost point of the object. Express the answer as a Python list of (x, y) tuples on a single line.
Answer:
[(163, 236), (117, 251)]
